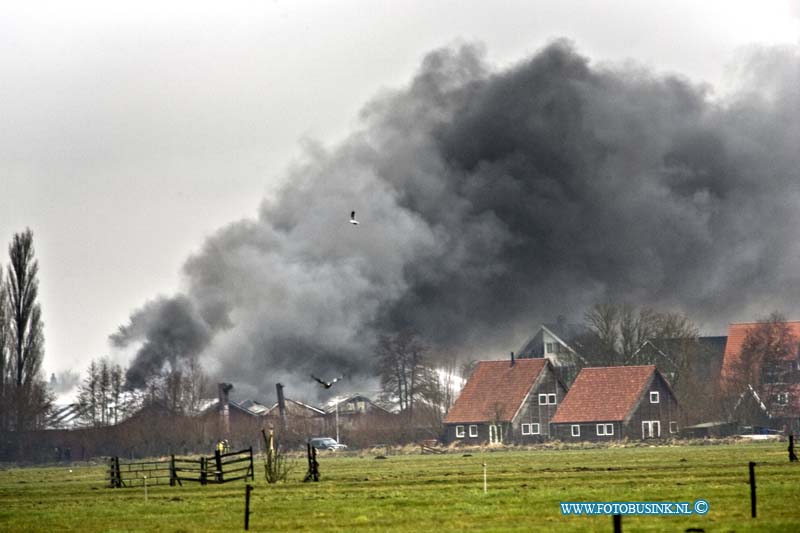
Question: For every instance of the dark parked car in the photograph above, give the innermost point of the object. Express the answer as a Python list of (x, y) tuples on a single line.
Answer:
[(326, 443)]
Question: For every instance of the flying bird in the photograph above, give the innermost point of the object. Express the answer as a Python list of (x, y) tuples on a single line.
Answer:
[(353, 220), (326, 384)]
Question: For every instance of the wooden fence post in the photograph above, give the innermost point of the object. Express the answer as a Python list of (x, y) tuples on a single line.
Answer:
[(247, 491), (203, 470), (313, 465), (116, 474), (172, 473), (252, 470), (112, 474), (218, 465), (752, 489)]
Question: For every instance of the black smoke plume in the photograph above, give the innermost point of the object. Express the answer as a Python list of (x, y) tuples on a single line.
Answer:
[(491, 200)]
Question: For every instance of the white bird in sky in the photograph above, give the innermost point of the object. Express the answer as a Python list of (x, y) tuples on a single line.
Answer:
[(353, 220)]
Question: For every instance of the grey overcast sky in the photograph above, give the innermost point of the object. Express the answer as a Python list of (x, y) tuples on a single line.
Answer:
[(133, 130)]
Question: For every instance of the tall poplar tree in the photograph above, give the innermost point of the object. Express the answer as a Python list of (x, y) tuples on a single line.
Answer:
[(27, 338)]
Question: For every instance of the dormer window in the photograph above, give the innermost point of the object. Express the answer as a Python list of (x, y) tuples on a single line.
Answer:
[(550, 347), (654, 396)]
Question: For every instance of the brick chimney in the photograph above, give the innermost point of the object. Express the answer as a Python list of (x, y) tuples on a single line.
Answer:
[(224, 409), (281, 405)]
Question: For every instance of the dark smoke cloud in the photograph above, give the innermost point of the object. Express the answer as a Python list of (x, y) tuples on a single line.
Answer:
[(493, 200), (171, 330)]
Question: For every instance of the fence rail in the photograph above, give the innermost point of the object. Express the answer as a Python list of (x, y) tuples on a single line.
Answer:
[(174, 470)]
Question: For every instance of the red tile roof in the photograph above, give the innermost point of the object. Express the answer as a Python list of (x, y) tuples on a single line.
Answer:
[(733, 348), (604, 394), (495, 391)]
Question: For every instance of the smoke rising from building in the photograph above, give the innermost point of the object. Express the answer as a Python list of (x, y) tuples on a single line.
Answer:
[(490, 201)]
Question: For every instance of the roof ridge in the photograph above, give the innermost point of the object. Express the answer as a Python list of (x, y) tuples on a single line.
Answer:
[(761, 322)]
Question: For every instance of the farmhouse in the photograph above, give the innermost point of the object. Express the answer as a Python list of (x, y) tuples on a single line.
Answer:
[(769, 381), (697, 359), (506, 401), (616, 402), (561, 343), (355, 412)]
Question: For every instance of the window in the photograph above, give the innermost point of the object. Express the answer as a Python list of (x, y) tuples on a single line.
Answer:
[(550, 347), (530, 429), (654, 396), (473, 431), (576, 430), (651, 429), (783, 398), (459, 432), (605, 429), (547, 399), (673, 427)]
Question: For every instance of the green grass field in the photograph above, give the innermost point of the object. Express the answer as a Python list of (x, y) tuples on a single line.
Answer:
[(428, 493)]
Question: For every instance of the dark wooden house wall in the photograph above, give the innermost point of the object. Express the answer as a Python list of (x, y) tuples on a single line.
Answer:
[(588, 432), (665, 411), (481, 438), (532, 412)]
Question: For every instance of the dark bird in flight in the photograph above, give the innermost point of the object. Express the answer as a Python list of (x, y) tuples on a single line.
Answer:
[(326, 384), (353, 220)]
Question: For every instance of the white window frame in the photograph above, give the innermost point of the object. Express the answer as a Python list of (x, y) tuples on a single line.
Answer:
[(783, 398), (473, 430), (672, 425), (575, 430), (653, 430), (525, 429), (459, 432), (549, 399), (549, 347), (535, 428), (655, 397), (605, 429)]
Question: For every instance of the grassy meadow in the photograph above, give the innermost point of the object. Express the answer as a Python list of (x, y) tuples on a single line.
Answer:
[(428, 493)]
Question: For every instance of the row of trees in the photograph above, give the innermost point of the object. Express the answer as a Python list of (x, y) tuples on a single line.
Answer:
[(616, 331), (103, 399), (24, 397), (421, 389)]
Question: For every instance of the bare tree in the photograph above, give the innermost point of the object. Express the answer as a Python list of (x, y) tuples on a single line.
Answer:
[(766, 360), (635, 327), (180, 389), (88, 395), (27, 338), (196, 386), (404, 372), (618, 331), (602, 345), (116, 392)]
